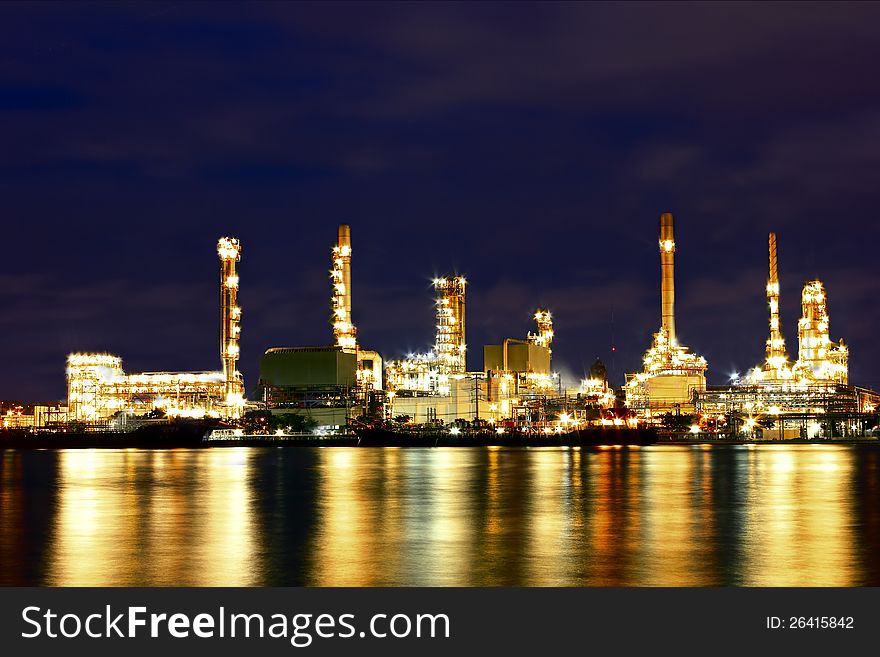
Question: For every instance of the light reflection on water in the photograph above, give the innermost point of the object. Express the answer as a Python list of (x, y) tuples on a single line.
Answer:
[(672, 515)]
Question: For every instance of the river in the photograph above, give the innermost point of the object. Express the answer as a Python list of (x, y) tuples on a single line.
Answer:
[(735, 515)]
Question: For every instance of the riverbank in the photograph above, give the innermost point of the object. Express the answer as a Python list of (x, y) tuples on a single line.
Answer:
[(194, 437)]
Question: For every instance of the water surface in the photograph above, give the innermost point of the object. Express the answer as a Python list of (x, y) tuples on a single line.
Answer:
[(667, 515)]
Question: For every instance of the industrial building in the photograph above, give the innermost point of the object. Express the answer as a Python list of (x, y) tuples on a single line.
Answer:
[(519, 373), (326, 383), (99, 390), (432, 372), (435, 386), (319, 382), (809, 398), (38, 417), (671, 374)]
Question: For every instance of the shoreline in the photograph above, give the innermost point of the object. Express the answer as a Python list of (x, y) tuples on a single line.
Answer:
[(194, 440)]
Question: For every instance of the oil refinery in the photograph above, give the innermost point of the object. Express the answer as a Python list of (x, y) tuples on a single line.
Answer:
[(101, 394), (810, 398), (671, 375), (516, 389)]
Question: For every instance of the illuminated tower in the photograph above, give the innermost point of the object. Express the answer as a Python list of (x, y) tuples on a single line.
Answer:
[(671, 373), (344, 331), (544, 336), (819, 359), (449, 345), (776, 365), (667, 272), (229, 250)]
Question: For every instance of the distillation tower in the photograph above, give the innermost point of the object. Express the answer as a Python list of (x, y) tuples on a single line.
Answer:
[(776, 365), (449, 345), (819, 359), (430, 372), (671, 374), (344, 331), (776, 368), (229, 250), (807, 399)]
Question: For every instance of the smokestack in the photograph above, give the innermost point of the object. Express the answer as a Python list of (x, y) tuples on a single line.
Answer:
[(774, 270), (343, 328), (229, 250), (667, 271), (344, 242)]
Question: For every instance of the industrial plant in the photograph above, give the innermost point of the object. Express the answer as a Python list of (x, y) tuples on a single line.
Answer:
[(101, 394), (328, 383), (671, 375), (341, 382), (809, 398)]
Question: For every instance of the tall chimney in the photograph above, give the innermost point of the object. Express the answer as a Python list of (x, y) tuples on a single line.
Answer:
[(343, 328), (667, 270), (229, 251)]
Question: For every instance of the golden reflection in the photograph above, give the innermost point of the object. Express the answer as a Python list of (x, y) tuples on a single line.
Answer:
[(224, 531), (409, 511), (756, 515), (94, 534), (344, 542), (800, 519), (549, 529), (496, 521), (127, 517), (610, 515), (450, 517), (673, 552)]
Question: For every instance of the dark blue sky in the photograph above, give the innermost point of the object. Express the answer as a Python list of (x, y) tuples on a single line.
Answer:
[(530, 147)]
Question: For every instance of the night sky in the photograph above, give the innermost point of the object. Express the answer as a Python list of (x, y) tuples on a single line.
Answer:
[(530, 147)]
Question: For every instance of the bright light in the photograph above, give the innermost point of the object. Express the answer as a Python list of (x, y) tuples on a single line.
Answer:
[(695, 428), (455, 431)]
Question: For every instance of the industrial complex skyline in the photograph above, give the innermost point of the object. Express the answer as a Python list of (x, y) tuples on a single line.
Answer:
[(452, 142)]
